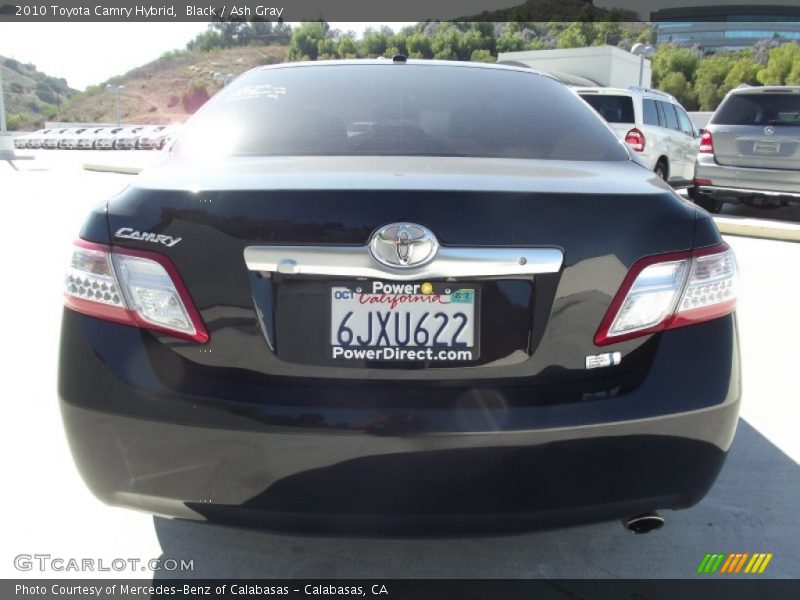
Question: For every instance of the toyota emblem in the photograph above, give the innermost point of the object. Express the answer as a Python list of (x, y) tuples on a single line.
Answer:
[(403, 245)]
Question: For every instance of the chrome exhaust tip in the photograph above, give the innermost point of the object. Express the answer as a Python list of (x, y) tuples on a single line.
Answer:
[(644, 523)]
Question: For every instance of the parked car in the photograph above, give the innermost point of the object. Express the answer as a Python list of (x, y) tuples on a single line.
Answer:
[(155, 138), (750, 150), (33, 141), (52, 140), (480, 312), (21, 141), (654, 124), (127, 139), (69, 139), (106, 139), (88, 138)]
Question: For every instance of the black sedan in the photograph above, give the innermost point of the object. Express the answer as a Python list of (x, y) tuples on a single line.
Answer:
[(397, 294)]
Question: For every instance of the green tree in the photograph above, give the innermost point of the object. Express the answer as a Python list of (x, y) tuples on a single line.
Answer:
[(483, 56), (510, 41), (782, 60), (470, 42), (347, 46), (373, 43), (327, 49), (743, 70), (674, 59), (677, 85), (446, 42), (305, 40), (419, 46), (709, 84)]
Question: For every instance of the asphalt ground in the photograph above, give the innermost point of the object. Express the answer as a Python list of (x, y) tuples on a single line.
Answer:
[(752, 508)]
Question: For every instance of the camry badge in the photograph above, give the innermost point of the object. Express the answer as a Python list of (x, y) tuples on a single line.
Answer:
[(769, 130), (127, 233), (403, 245)]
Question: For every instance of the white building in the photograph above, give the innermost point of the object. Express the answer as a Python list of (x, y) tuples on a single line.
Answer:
[(604, 65)]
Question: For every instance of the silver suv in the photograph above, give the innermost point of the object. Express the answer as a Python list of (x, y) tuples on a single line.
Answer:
[(750, 150), (653, 124)]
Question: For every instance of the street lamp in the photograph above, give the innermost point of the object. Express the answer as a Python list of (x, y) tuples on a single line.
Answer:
[(225, 78), (2, 105), (117, 89), (642, 51)]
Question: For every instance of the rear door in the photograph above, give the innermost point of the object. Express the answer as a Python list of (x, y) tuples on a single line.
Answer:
[(758, 130), (687, 141)]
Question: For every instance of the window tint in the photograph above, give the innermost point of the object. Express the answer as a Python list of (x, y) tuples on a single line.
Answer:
[(669, 115), (388, 109), (684, 121), (650, 112), (759, 109), (614, 109)]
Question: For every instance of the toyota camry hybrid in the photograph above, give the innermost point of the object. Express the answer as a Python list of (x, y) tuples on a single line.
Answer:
[(399, 295)]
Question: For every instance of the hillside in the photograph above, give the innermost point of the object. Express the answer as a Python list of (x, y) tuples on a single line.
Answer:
[(554, 10), (29, 93), (166, 90)]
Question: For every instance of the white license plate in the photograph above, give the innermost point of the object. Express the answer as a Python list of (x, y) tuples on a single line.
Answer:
[(376, 320)]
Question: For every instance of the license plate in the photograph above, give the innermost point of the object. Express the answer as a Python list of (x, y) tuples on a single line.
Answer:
[(427, 321), (766, 147)]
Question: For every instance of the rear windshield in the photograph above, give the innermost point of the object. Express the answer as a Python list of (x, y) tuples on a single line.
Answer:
[(614, 109), (759, 109), (409, 109)]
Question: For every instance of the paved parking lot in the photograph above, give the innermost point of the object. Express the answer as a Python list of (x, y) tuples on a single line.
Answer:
[(752, 508)]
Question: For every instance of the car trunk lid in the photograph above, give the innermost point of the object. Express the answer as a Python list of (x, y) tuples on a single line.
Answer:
[(601, 216)]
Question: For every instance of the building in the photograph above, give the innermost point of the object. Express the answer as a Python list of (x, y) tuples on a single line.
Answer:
[(595, 65), (725, 28)]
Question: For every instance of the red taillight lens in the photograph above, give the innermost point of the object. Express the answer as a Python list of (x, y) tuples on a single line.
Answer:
[(706, 143), (671, 290), (133, 287), (635, 139)]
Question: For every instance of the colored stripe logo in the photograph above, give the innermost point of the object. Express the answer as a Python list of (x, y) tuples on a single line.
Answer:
[(734, 562)]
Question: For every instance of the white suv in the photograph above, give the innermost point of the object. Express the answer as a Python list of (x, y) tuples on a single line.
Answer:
[(653, 124)]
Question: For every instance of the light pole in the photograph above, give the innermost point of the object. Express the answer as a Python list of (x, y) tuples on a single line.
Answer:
[(225, 78), (2, 105), (642, 51), (117, 89)]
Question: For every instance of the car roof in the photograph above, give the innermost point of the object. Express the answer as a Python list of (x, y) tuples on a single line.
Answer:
[(399, 64), (630, 91), (762, 89)]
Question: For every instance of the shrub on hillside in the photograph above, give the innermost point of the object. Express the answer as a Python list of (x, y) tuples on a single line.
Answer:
[(195, 96)]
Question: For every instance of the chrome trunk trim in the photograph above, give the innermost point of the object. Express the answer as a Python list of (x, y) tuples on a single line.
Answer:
[(356, 261)]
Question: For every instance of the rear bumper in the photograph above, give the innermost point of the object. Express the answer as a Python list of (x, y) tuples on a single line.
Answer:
[(742, 182), (479, 465)]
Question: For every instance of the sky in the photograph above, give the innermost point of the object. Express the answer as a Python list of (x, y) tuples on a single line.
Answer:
[(89, 53)]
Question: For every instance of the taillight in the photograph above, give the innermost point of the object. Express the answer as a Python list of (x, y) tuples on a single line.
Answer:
[(671, 290), (635, 139), (706, 143), (133, 287)]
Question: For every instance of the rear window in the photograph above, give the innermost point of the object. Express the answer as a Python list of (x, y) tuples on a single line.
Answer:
[(759, 109), (389, 109), (614, 109)]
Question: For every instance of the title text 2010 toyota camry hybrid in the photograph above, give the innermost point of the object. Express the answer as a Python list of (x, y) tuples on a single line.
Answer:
[(371, 295)]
